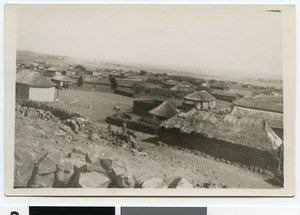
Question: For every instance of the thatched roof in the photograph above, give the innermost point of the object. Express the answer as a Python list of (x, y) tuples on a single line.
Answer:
[(62, 78), (259, 104), (224, 93), (241, 92), (126, 82), (200, 96), (245, 131), (182, 88), (271, 98), (164, 110), (34, 79), (273, 119)]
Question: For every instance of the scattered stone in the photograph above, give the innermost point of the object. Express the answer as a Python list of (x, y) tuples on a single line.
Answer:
[(59, 133), (126, 181), (154, 183), (48, 165), (24, 163), (68, 138), (93, 136), (93, 180), (43, 181)]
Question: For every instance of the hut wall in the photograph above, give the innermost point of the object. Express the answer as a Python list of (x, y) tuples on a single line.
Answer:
[(42, 94), (220, 149), (22, 91)]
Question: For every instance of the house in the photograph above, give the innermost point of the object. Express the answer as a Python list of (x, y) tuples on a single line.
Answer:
[(182, 89), (241, 92), (218, 86), (34, 86), (271, 98), (271, 112), (245, 140), (52, 71), (164, 111), (225, 95), (201, 100), (62, 81)]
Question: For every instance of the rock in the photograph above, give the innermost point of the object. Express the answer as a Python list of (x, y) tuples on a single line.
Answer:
[(93, 136), (68, 138), (65, 128), (48, 165), (125, 181), (95, 167), (60, 133), (184, 183), (24, 163), (154, 183), (45, 181), (32, 113), (93, 180)]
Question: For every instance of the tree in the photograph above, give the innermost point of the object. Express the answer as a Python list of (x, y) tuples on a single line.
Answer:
[(82, 68)]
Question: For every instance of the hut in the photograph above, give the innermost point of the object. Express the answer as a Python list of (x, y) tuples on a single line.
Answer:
[(271, 98), (240, 139), (219, 86), (163, 111), (52, 71), (225, 95), (182, 89), (271, 112), (200, 100), (62, 81), (34, 86)]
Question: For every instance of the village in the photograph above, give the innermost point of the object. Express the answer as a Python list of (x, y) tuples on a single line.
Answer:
[(149, 129)]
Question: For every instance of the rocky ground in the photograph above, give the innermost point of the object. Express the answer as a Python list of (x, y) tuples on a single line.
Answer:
[(50, 152)]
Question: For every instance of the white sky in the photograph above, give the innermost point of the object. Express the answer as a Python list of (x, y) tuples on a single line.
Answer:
[(242, 39)]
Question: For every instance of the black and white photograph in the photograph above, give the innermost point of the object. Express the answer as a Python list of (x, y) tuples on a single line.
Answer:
[(150, 100)]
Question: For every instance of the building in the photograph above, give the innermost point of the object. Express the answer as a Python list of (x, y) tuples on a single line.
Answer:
[(271, 112), (200, 100), (219, 86), (52, 71), (182, 89), (62, 81), (34, 86), (225, 95), (271, 98), (143, 106), (164, 111), (239, 139)]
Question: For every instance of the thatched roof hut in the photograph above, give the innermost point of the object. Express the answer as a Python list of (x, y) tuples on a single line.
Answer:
[(165, 110), (225, 95), (246, 131), (259, 104), (34, 79), (271, 98), (181, 88), (200, 96)]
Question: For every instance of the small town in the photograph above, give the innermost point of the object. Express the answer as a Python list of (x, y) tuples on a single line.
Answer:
[(89, 124)]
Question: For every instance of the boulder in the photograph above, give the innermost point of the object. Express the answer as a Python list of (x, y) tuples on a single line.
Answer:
[(125, 181), (32, 113), (181, 183), (43, 181), (93, 136), (154, 183), (48, 165), (24, 163), (60, 133), (93, 180)]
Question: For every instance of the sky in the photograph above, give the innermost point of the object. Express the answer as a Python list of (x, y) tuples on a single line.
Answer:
[(229, 40)]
